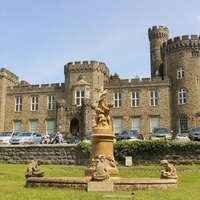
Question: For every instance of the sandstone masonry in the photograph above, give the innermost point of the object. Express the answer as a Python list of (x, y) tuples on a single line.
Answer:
[(170, 97)]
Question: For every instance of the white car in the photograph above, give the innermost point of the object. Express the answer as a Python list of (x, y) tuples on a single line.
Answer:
[(5, 136), (182, 137)]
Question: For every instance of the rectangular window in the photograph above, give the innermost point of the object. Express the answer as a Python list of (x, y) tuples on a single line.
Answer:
[(117, 125), (154, 122), (117, 99), (33, 126), (195, 53), (18, 104), (34, 103), (79, 96), (51, 103), (135, 99), (136, 121), (153, 98), (50, 126), (17, 126), (182, 96), (180, 73)]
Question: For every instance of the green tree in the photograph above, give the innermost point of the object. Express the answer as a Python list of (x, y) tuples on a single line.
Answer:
[(114, 77)]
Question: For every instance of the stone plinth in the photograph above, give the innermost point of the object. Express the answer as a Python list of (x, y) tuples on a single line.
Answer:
[(102, 144), (100, 186)]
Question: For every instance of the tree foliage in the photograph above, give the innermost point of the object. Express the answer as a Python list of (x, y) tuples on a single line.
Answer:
[(114, 77)]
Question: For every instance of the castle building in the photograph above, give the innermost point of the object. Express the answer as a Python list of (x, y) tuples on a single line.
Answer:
[(169, 98)]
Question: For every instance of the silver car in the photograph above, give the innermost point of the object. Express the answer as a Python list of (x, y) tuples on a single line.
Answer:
[(161, 133), (130, 135), (6, 135), (26, 138), (194, 133)]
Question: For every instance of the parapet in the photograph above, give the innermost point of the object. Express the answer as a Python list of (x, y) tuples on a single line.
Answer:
[(9, 75), (158, 32), (86, 66), (181, 43), (158, 28), (137, 82), (36, 88)]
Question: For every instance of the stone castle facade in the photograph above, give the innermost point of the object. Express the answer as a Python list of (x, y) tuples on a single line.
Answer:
[(169, 98)]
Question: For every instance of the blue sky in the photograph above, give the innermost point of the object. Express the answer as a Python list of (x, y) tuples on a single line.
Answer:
[(38, 37)]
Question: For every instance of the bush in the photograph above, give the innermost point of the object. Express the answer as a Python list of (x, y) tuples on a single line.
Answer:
[(85, 148), (155, 147), (125, 148)]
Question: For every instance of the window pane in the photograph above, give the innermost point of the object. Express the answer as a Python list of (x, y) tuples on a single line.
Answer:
[(183, 124), (117, 125), (117, 99), (33, 126)]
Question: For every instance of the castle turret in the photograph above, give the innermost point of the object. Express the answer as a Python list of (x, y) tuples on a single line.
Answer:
[(157, 36), (7, 79), (181, 56)]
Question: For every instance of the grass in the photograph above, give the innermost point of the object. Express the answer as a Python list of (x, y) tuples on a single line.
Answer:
[(12, 182)]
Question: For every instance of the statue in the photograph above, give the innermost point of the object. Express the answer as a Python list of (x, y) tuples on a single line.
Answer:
[(102, 109), (169, 172), (102, 164), (101, 173), (33, 171)]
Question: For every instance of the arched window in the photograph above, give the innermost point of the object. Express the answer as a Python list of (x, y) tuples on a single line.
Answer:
[(182, 96), (183, 124), (180, 73)]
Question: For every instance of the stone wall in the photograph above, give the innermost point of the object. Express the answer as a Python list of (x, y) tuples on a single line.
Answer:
[(69, 155), (51, 154)]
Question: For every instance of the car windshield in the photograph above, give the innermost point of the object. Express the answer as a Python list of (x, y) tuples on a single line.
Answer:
[(196, 129), (25, 134), (183, 135), (161, 130), (134, 132), (2, 134)]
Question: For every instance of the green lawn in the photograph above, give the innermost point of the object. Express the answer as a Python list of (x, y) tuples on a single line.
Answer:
[(12, 183)]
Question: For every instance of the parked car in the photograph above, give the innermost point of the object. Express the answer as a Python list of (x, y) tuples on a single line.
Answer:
[(6, 135), (26, 138), (129, 135), (194, 133), (182, 137), (161, 133)]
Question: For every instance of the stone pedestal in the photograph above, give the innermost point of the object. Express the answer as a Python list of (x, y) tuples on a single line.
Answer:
[(102, 144)]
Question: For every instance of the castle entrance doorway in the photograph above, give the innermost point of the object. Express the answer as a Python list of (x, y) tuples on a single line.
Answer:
[(74, 126)]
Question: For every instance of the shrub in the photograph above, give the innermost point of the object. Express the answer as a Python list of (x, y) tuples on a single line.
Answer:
[(125, 148)]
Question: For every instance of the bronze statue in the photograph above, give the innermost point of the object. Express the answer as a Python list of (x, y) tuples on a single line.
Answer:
[(169, 172), (33, 171), (102, 109)]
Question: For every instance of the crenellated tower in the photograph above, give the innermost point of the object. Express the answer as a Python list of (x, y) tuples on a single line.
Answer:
[(91, 75), (7, 79), (157, 36), (181, 56)]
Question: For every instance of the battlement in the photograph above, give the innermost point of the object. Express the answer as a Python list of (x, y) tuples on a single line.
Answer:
[(36, 88), (86, 66), (158, 32), (137, 82), (9, 75), (158, 28), (181, 43)]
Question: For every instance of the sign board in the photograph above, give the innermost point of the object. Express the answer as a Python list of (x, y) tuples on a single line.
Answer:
[(128, 161)]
